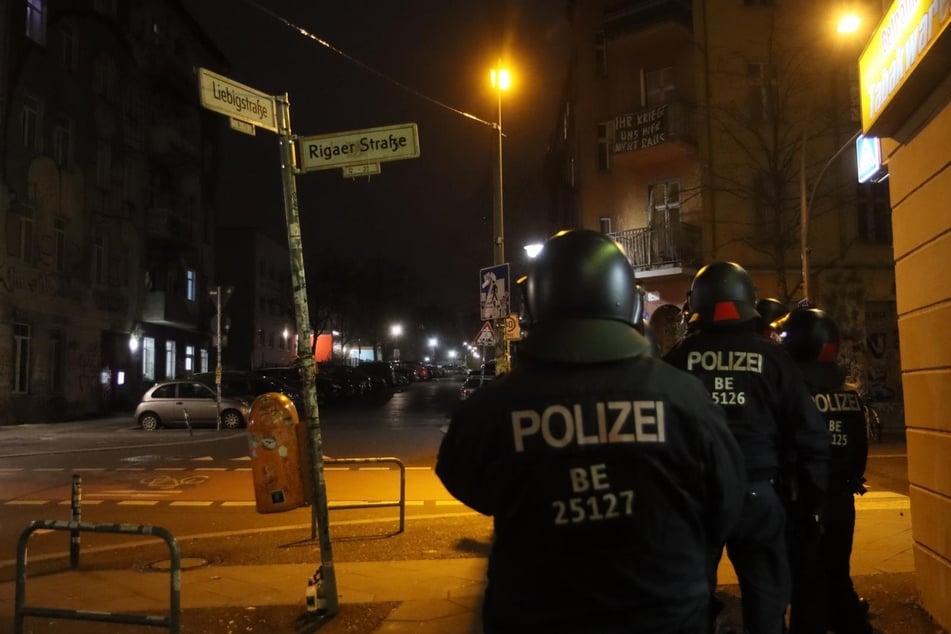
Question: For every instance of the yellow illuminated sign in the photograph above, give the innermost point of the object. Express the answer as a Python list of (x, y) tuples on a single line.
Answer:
[(900, 43)]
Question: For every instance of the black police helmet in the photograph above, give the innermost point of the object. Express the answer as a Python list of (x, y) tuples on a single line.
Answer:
[(722, 293), (810, 335), (771, 310), (583, 274), (583, 300)]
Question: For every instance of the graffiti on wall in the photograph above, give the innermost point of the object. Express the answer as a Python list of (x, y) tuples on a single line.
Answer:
[(13, 278), (883, 369)]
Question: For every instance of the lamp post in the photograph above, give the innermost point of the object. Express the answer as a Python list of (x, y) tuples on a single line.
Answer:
[(396, 330), (847, 24), (432, 346), (501, 81), (805, 204)]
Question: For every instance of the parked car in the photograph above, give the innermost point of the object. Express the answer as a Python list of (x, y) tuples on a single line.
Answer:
[(249, 386), (177, 403), (329, 390), (383, 370), (473, 383)]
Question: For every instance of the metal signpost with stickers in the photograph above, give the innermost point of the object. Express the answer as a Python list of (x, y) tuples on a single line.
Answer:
[(495, 306)]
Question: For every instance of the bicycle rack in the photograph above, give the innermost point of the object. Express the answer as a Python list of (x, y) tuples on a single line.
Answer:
[(172, 621), (402, 501)]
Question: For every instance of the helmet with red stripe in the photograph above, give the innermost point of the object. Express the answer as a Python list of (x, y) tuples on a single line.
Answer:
[(722, 293), (810, 335)]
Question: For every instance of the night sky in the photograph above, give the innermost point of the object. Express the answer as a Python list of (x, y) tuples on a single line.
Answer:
[(411, 61)]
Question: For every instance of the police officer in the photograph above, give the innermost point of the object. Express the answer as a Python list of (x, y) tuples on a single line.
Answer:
[(826, 592), (775, 422), (609, 473)]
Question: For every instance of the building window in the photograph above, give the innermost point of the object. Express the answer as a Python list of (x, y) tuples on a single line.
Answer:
[(604, 223), (62, 141), (31, 119), (189, 359), (103, 165), (69, 46), (261, 337), (761, 79), (600, 54), (203, 355), (56, 362), (21, 358), (104, 77), (59, 245), (148, 358), (566, 121), (604, 146), (98, 261), (191, 284), (874, 213), (659, 86), (36, 20), (105, 7), (20, 237), (170, 359)]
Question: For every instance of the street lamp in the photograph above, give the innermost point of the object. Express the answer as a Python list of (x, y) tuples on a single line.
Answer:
[(805, 204), (432, 345), (396, 330), (501, 81)]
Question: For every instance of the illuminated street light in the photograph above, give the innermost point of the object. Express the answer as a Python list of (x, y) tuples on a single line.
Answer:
[(432, 345), (396, 330), (848, 23)]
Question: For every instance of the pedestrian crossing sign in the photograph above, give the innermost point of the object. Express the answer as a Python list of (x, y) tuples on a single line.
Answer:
[(486, 336)]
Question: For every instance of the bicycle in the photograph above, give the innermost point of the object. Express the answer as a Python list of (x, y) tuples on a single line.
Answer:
[(873, 423)]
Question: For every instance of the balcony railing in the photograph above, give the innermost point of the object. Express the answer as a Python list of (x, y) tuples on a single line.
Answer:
[(661, 246)]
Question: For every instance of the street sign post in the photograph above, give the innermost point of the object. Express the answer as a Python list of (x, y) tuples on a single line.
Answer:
[(486, 336), (359, 147), (237, 101)]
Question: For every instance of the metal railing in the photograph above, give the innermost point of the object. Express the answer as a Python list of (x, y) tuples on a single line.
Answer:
[(172, 621), (401, 503), (676, 244)]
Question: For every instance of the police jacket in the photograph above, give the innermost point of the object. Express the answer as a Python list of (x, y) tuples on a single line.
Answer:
[(845, 418), (609, 484), (767, 405)]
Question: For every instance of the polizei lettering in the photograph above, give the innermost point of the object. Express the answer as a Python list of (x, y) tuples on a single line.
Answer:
[(725, 361), (611, 422), (837, 402)]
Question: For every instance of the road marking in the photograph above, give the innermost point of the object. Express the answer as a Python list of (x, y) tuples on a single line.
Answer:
[(48, 469), (448, 503), (187, 503), (10, 469), (169, 469), (883, 505), (237, 504), (137, 502), (26, 502), (84, 503), (131, 469), (85, 469), (211, 469)]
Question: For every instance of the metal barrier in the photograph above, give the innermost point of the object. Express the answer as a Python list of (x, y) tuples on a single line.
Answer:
[(172, 621), (402, 501)]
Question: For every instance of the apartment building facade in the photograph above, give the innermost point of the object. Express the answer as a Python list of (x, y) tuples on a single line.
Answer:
[(106, 209), (260, 316), (689, 131)]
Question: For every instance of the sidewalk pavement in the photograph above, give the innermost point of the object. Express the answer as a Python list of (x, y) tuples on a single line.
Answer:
[(436, 596)]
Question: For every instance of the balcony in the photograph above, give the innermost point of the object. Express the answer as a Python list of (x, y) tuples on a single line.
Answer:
[(664, 249), (659, 134), (167, 225), (170, 310), (626, 17)]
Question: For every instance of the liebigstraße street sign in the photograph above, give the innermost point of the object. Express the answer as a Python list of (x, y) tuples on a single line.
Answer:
[(373, 145), (236, 100)]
